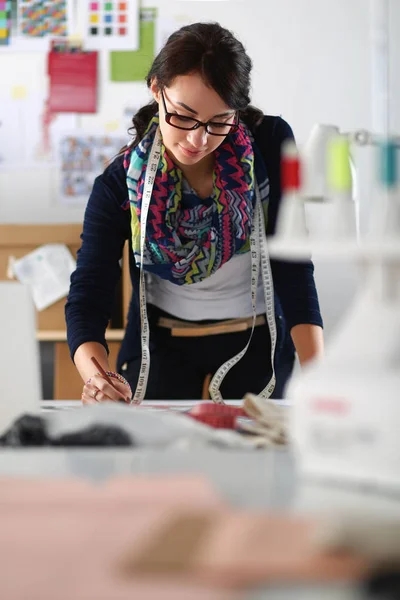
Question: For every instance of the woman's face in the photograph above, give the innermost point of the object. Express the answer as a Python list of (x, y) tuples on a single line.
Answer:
[(189, 96)]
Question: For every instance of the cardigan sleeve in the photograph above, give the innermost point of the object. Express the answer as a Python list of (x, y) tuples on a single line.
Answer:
[(105, 229), (293, 281)]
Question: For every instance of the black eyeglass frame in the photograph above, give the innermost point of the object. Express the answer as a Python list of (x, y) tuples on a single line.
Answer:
[(168, 117)]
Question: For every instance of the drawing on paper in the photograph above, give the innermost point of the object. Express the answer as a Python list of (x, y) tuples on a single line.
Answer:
[(111, 24), (81, 159), (42, 18)]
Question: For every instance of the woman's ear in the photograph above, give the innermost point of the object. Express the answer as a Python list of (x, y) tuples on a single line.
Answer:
[(155, 90)]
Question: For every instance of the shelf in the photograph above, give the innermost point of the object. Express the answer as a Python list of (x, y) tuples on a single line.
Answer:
[(112, 335)]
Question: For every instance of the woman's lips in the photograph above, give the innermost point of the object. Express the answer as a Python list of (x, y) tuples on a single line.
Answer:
[(190, 153)]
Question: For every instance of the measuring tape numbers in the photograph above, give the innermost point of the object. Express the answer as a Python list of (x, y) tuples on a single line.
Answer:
[(259, 260)]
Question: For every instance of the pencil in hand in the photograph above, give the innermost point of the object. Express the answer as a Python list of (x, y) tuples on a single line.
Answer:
[(105, 376)]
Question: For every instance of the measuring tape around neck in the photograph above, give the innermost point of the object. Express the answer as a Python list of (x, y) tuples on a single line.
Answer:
[(259, 258), (151, 171)]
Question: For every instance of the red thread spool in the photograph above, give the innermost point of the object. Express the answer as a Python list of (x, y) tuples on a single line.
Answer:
[(290, 168)]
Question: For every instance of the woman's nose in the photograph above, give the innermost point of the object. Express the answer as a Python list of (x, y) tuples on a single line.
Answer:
[(198, 137)]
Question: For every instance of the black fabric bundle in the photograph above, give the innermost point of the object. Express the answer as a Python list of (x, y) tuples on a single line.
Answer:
[(31, 430)]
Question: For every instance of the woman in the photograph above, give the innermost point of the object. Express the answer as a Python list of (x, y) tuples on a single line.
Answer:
[(191, 193)]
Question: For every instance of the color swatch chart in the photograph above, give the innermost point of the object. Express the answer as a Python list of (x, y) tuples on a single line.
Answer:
[(42, 18), (5, 22), (113, 25)]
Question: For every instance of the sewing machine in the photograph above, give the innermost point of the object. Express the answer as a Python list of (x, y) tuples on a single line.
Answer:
[(346, 407)]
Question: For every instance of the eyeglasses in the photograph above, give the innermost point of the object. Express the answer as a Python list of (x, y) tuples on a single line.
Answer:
[(188, 123)]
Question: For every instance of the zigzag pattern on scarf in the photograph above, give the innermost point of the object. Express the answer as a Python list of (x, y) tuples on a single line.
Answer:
[(240, 215), (185, 244)]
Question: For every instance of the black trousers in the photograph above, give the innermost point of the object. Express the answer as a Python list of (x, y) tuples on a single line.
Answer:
[(179, 365)]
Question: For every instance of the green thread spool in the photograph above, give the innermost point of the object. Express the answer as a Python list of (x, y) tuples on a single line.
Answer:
[(339, 169)]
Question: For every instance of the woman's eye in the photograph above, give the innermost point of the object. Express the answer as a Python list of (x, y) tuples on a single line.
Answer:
[(182, 118)]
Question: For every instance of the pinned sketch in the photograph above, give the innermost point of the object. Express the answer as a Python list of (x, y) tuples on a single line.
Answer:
[(47, 271), (39, 20), (81, 159), (5, 22), (112, 25), (21, 130)]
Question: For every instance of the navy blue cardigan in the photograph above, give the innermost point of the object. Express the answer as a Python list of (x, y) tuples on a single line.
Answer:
[(106, 227)]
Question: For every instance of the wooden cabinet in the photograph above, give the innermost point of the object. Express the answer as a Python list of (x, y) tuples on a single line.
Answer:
[(18, 240)]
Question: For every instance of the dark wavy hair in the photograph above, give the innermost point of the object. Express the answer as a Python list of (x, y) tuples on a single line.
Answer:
[(214, 53)]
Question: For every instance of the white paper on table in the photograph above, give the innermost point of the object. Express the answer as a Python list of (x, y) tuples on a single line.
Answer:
[(154, 428), (47, 270)]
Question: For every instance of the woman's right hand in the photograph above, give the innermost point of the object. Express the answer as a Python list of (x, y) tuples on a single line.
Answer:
[(97, 389)]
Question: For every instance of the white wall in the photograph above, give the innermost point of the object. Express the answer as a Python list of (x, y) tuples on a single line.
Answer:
[(394, 66), (311, 64)]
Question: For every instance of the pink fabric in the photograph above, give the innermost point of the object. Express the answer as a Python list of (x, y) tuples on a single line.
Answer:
[(241, 549), (68, 540), (65, 540), (270, 547), (124, 490)]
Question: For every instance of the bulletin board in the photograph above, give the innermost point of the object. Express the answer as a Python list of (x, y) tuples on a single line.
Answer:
[(284, 78), (37, 114)]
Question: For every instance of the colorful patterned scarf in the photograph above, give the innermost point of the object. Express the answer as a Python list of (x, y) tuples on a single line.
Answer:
[(186, 244)]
